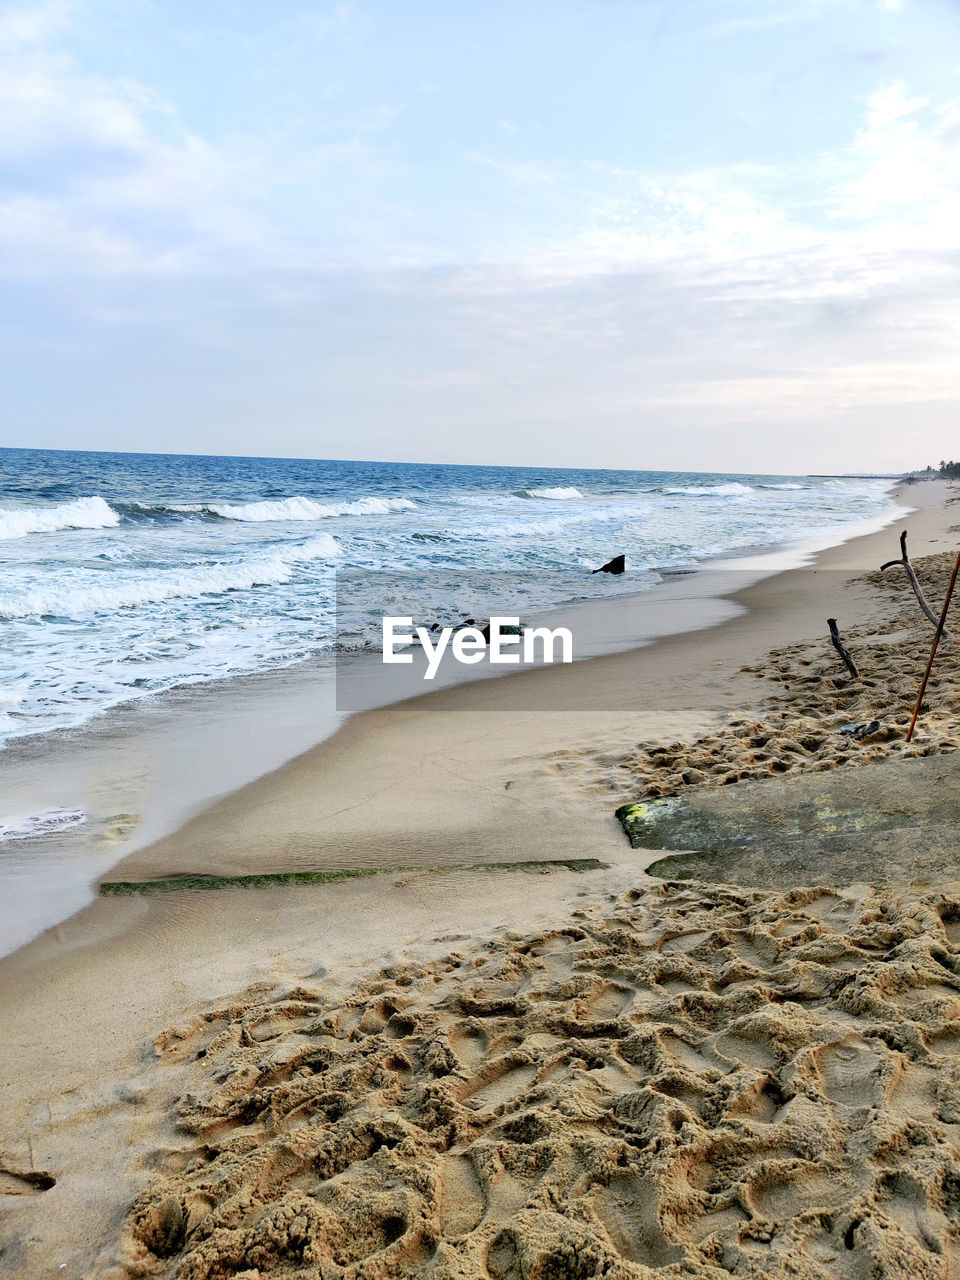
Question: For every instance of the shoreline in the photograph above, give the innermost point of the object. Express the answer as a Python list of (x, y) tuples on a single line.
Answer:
[(138, 776), (178, 840), (123, 768), (220, 826), (468, 775), (541, 708)]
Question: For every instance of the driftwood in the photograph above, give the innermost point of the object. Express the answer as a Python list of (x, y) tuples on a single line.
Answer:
[(904, 561), (848, 662), (933, 651)]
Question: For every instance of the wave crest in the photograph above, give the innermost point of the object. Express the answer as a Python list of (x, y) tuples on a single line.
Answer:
[(732, 490), (301, 508), (81, 513), (198, 580), (557, 495)]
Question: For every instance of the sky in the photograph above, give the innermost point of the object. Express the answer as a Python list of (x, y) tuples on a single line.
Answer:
[(698, 235)]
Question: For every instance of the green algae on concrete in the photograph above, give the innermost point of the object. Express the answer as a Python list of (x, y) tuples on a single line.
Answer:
[(175, 884)]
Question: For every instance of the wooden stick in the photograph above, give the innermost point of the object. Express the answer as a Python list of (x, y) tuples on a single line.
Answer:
[(904, 561), (838, 645), (933, 650)]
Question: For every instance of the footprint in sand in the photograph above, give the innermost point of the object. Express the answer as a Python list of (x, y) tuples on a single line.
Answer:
[(761, 1101), (684, 1053), (500, 1081), (747, 1049), (678, 986), (681, 943), (469, 1044), (823, 905), (951, 927), (786, 1189), (281, 1019), (790, 927), (193, 1039), (609, 1001), (850, 1073), (903, 1199), (946, 1042), (462, 1202), (628, 1210), (29, 1182)]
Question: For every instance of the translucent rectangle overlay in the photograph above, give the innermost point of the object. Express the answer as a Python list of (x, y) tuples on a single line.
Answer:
[(452, 609)]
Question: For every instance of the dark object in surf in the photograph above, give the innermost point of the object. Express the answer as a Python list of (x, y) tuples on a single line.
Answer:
[(458, 626), (508, 630), (848, 662), (616, 565), (862, 730)]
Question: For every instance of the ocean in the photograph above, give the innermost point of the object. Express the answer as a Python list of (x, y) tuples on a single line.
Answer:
[(125, 575)]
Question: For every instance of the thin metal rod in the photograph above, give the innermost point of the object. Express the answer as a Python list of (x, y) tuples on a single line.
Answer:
[(933, 650)]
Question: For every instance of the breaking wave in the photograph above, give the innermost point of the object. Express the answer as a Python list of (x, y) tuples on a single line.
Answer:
[(170, 584), (81, 513), (559, 494), (300, 508), (735, 489)]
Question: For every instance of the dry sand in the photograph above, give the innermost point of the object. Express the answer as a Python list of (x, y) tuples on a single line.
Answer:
[(806, 699), (695, 1081), (502, 1074)]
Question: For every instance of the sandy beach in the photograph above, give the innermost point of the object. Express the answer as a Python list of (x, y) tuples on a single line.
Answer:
[(569, 1068)]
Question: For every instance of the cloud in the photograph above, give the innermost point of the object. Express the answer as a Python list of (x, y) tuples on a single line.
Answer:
[(100, 174), (22, 26), (85, 159), (118, 179), (270, 273), (904, 168), (895, 185), (792, 15)]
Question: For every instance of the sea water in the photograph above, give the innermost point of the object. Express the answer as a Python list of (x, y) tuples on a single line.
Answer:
[(125, 575)]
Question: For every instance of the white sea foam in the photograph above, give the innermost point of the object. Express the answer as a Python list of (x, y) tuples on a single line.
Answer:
[(211, 578), (559, 494), (41, 824), (300, 508), (731, 490), (537, 528), (8, 699), (82, 513)]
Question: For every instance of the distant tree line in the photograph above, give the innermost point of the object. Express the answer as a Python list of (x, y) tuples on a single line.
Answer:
[(948, 470)]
